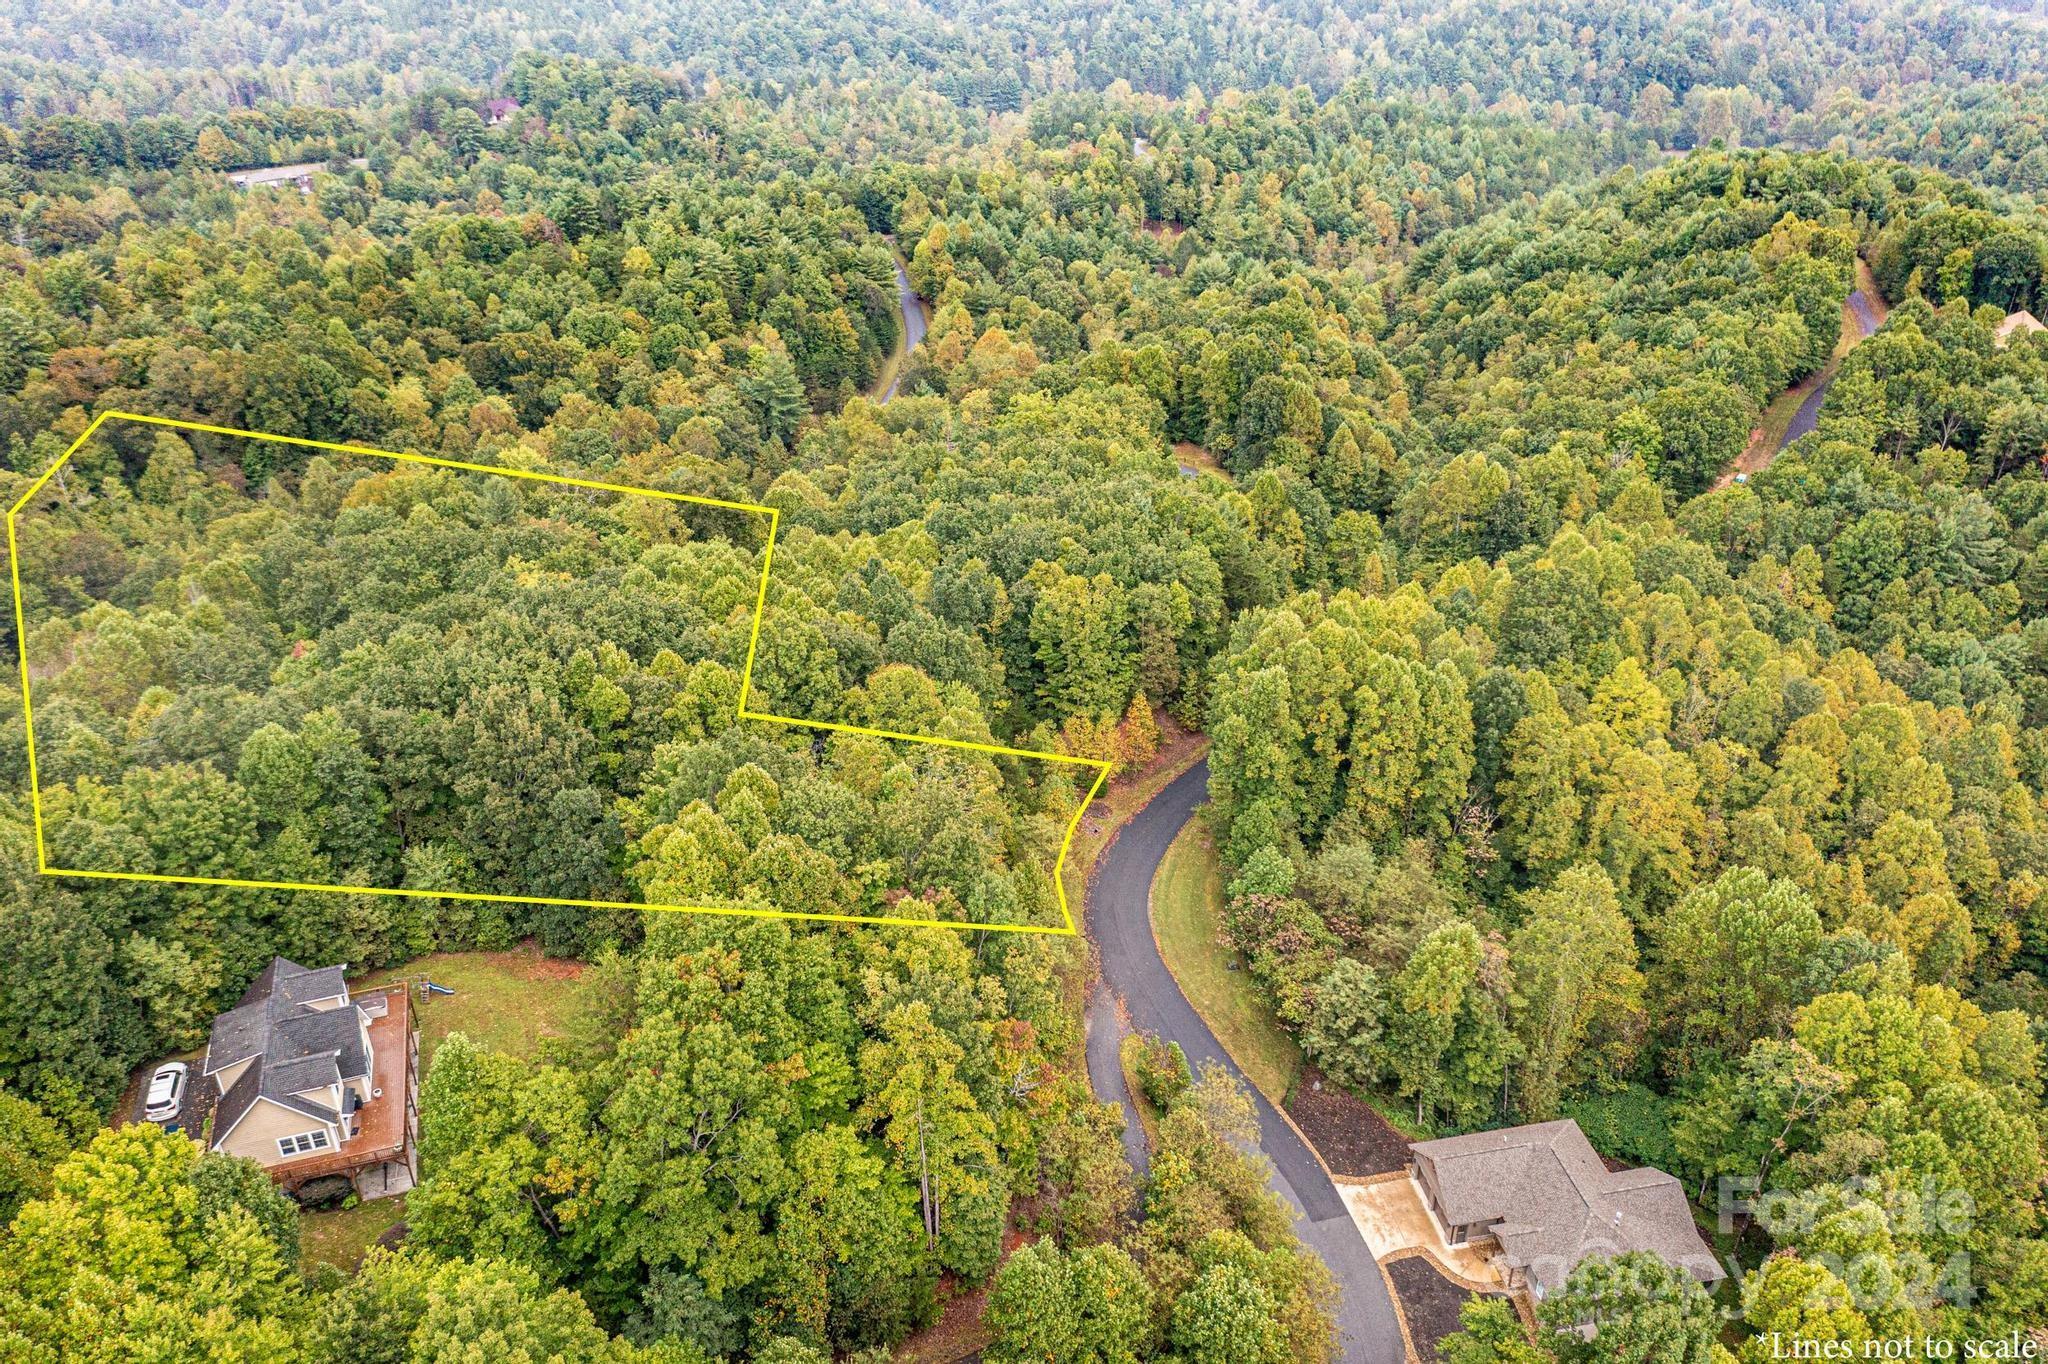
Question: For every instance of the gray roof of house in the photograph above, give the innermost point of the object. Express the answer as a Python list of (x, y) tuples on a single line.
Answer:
[(302, 1073), (291, 1045), (237, 1035), (253, 1084), (284, 979), (1552, 1201), (280, 992)]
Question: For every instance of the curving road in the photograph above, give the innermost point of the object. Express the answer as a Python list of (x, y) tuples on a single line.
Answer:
[(1120, 921), (912, 309), (1808, 416)]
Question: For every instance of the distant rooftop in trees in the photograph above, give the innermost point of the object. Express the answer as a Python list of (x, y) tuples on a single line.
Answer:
[(2018, 323)]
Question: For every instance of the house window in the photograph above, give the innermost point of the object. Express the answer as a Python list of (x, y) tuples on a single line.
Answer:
[(302, 1143)]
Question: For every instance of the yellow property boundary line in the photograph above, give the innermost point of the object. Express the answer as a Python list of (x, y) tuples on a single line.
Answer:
[(1100, 766)]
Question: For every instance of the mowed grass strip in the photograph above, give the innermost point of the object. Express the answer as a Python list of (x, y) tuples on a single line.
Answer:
[(1187, 919)]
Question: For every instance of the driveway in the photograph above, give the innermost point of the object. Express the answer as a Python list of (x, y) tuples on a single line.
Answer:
[(1120, 921), (912, 309), (1106, 1032), (1392, 1217), (193, 1112)]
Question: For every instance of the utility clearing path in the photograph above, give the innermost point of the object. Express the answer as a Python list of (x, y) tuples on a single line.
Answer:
[(1796, 411), (1120, 920)]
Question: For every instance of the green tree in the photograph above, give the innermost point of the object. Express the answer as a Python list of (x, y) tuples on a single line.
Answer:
[(1641, 1307), (1227, 1315), (1344, 1029), (1091, 1306), (1491, 1333), (852, 1265), (508, 1158), (409, 1308), (1427, 1045), (1080, 641), (30, 1145), (135, 1249), (1577, 1006), (1732, 960), (937, 1136), (1704, 425)]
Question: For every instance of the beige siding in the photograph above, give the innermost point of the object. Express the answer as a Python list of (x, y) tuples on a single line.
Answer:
[(226, 1078), (325, 1096), (256, 1135)]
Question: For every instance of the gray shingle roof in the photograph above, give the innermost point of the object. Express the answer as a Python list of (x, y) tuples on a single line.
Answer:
[(278, 999), (286, 980), (254, 1084), (1553, 1202), (302, 1073), (291, 1046), (237, 1035)]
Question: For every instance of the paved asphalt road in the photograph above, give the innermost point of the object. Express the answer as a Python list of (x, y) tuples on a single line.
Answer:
[(912, 308), (1808, 415), (1106, 1075), (1119, 919)]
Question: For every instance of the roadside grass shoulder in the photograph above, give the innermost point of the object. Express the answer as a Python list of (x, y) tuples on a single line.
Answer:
[(899, 355), (1187, 920)]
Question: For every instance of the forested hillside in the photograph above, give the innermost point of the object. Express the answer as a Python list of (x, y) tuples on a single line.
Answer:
[(1700, 71), (1351, 391), (1726, 808)]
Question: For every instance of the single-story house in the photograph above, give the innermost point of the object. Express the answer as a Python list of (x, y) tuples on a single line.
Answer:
[(500, 111), (316, 1082), (1543, 1196)]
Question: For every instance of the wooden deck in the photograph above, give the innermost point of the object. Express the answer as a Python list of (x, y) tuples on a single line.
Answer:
[(389, 1124)]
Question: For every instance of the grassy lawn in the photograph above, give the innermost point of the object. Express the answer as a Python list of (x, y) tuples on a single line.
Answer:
[(1195, 457), (507, 1001), (892, 365), (342, 1239), (1187, 918), (1776, 419)]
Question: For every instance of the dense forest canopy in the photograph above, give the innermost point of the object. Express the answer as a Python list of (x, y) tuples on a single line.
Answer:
[(1739, 60), (1357, 384), (1954, 85)]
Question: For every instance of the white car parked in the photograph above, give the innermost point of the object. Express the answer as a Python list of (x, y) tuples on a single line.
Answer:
[(166, 1095)]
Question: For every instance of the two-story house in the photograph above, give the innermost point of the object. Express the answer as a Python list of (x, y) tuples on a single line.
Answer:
[(314, 1082)]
